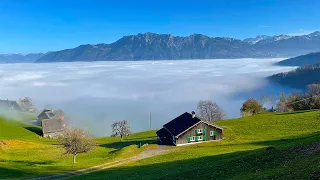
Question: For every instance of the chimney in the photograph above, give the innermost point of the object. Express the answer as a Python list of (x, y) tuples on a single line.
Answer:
[(193, 114)]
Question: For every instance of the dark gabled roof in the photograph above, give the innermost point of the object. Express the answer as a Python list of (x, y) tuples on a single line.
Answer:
[(181, 123), (52, 125), (162, 133)]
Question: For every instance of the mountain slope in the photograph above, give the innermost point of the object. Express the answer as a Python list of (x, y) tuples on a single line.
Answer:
[(298, 78), (311, 58), (264, 146), (20, 58), (151, 46)]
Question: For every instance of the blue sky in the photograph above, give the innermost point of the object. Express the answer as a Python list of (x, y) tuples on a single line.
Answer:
[(49, 25)]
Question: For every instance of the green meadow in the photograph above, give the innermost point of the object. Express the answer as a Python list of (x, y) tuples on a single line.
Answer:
[(264, 146)]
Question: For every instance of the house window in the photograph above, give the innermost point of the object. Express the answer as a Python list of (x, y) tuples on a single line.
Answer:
[(199, 131), (200, 138), (193, 138), (212, 133)]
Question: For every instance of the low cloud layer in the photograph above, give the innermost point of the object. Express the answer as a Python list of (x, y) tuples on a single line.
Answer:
[(95, 94)]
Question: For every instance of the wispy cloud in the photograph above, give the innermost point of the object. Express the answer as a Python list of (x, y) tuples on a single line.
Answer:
[(302, 32), (264, 26)]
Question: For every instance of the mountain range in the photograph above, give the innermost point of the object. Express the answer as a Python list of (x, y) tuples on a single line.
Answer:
[(20, 58), (151, 46)]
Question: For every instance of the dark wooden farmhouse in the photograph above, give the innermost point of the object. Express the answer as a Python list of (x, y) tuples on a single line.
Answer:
[(188, 129)]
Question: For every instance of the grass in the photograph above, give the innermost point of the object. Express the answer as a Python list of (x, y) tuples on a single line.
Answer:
[(265, 146), (257, 147), (23, 153)]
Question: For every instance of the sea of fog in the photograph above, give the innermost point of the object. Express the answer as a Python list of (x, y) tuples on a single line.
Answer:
[(94, 94)]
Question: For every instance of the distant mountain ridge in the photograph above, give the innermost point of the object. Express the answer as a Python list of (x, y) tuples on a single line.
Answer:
[(20, 58), (310, 58), (151, 46)]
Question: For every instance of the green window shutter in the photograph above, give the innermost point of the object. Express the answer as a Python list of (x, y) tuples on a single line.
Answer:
[(195, 131), (189, 139), (204, 130), (213, 133), (204, 138), (196, 138)]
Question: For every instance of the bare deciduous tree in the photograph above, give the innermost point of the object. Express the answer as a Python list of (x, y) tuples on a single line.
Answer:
[(120, 128), (76, 141), (313, 89), (264, 99), (210, 111)]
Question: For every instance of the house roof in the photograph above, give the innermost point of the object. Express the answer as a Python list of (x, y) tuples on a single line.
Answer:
[(163, 133), (58, 113), (181, 123), (52, 125), (52, 113)]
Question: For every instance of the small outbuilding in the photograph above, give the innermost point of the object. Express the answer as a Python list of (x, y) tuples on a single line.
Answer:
[(188, 129), (52, 128), (50, 114)]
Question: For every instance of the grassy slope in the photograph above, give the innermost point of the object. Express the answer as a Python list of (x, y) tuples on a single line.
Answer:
[(292, 139), (25, 154)]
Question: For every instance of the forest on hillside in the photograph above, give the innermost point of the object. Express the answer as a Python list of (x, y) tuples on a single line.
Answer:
[(298, 78)]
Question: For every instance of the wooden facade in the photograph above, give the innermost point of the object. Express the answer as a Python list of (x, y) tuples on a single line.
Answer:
[(187, 129), (184, 138)]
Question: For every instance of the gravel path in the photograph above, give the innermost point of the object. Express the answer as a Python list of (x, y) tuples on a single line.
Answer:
[(145, 154)]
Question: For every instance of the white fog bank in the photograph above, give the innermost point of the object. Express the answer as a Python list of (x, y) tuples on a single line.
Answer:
[(95, 94)]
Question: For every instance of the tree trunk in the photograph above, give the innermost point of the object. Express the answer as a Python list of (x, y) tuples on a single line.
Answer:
[(121, 138), (74, 158)]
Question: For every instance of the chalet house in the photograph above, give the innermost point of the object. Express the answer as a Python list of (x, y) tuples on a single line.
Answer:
[(50, 114), (188, 129), (52, 128)]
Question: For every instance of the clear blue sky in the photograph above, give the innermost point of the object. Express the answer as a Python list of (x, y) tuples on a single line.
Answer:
[(48, 25)]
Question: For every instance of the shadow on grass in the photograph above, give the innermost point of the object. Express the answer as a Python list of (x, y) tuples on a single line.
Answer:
[(297, 112), (124, 143), (6, 173), (278, 162), (34, 129), (30, 163)]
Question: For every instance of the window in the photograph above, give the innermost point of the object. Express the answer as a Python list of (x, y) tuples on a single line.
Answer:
[(199, 131), (212, 133), (200, 138), (193, 138)]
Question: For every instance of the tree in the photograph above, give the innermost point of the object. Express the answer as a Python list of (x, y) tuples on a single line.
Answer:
[(210, 111), (120, 128), (313, 89), (264, 99), (251, 107), (283, 104), (76, 141)]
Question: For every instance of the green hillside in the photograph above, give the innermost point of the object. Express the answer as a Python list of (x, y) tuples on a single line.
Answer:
[(265, 146), (17, 130), (23, 153)]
